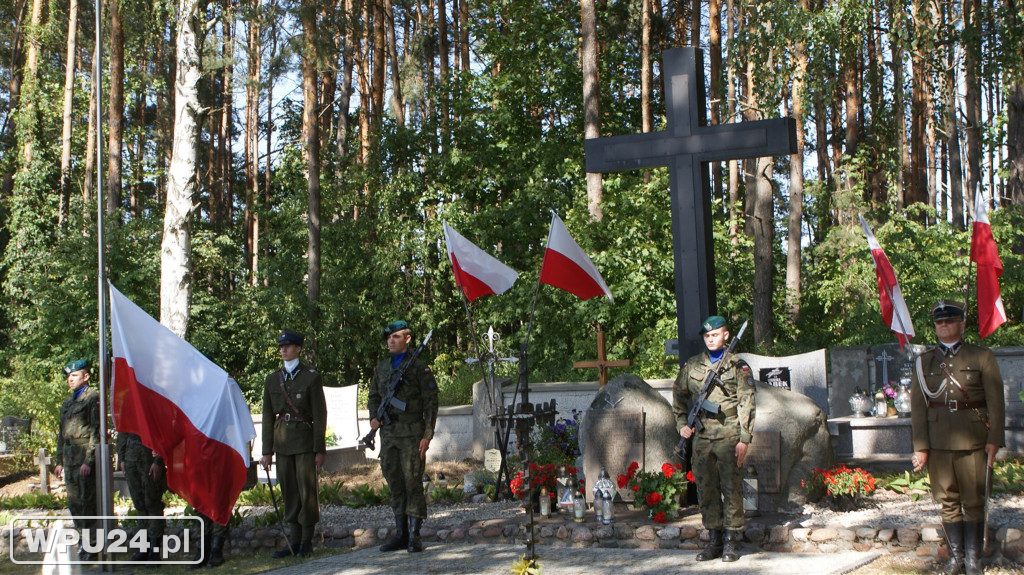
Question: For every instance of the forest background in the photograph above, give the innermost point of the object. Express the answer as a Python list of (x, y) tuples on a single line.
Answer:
[(288, 163)]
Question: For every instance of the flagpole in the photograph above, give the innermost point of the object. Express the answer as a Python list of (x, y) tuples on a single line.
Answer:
[(104, 479)]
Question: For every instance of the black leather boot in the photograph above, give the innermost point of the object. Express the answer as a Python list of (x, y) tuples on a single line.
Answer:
[(216, 553), (955, 541), (202, 556), (415, 544), (287, 551), (731, 549), (713, 550), (305, 549), (973, 533), (401, 538)]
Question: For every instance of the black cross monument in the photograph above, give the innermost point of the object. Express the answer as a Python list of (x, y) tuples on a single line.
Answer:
[(686, 146)]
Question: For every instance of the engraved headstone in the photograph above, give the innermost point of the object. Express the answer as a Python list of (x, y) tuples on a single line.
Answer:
[(492, 460), (764, 455), (614, 439), (807, 373), (775, 376), (342, 420)]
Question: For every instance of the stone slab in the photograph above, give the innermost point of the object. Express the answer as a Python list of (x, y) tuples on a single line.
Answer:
[(615, 438), (807, 373)]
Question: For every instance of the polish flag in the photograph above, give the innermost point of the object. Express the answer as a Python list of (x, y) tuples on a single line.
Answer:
[(991, 313), (894, 309), (567, 267), (476, 271), (183, 406)]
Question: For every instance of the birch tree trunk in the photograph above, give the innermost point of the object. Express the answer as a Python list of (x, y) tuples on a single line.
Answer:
[(175, 248), (591, 100), (69, 101)]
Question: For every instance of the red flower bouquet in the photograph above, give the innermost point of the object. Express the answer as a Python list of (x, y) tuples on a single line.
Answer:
[(658, 492)]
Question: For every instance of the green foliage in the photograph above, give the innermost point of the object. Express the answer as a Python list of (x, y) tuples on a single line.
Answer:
[(258, 495), (367, 496), (446, 495), (839, 487), (913, 484), (1008, 476), (656, 491), (557, 444), (332, 493), (33, 501)]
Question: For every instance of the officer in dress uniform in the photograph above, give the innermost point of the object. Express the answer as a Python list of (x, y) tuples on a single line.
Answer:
[(294, 427), (77, 438), (404, 443), (144, 472), (718, 450), (957, 418)]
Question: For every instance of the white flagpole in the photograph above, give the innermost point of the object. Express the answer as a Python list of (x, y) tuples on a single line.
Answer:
[(104, 479)]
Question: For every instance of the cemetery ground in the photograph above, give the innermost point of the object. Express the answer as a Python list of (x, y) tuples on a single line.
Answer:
[(356, 519)]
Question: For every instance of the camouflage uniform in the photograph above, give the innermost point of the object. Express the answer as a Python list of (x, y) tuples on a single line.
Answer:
[(400, 441), (147, 494), (77, 438), (296, 437), (714, 457)]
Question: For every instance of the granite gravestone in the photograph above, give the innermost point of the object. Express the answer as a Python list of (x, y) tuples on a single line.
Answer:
[(806, 373), (342, 418), (764, 455)]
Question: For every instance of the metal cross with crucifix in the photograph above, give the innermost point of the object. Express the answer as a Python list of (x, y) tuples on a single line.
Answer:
[(686, 146), (602, 364)]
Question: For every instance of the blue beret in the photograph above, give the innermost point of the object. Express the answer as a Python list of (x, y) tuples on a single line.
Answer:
[(713, 322), (290, 337), (73, 366), (397, 325)]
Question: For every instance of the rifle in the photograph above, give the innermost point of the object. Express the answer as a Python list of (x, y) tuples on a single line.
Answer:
[(389, 401), (702, 403)]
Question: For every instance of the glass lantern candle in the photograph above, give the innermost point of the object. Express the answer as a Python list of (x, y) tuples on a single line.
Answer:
[(545, 502), (609, 510), (579, 507), (881, 406), (860, 403), (902, 401)]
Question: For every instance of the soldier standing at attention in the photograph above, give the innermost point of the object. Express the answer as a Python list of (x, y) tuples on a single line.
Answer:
[(404, 443), (77, 438), (294, 427), (144, 472), (957, 415), (718, 450)]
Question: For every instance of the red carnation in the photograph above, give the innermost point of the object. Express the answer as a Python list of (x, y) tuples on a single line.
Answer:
[(636, 488), (689, 476), (659, 517), (653, 499), (623, 480), (667, 469)]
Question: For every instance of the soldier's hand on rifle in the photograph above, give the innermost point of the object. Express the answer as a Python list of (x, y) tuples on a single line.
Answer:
[(424, 445), (686, 431), (265, 462), (741, 453), (374, 423)]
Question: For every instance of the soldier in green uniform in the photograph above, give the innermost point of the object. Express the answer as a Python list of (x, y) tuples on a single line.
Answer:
[(957, 416), (718, 450), (294, 427), (404, 443), (77, 438), (144, 472)]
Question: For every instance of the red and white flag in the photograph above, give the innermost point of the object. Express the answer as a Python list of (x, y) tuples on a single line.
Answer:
[(183, 406), (567, 267), (476, 271), (991, 313), (894, 309)]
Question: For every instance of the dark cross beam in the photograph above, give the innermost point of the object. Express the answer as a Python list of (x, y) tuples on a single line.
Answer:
[(602, 362), (686, 146)]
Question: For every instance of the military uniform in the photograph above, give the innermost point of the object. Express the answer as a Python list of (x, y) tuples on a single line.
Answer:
[(294, 427), (77, 438), (147, 493), (718, 478), (400, 460), (953, 426)]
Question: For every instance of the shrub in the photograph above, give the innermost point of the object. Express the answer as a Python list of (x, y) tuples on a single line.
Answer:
[(557, 444), (840, 487)]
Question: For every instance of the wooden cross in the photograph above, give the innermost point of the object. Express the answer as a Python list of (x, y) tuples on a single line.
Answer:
[(686, 146), (42, 460), (602, 362)]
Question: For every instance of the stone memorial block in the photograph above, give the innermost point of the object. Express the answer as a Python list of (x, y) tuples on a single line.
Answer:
[(850, 369), (764, 455), (614, 439), (803, 445), (808, 374), (628, 391), (890, 364), (342, 419)]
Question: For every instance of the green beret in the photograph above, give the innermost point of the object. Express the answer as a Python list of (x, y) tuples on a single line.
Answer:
[(290, 337), (713, 322), (397, 325), (945, 309), (73, 366)]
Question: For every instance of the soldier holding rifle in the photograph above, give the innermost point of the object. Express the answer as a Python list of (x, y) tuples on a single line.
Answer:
[(405, 433), (957, 414), (720, 437)]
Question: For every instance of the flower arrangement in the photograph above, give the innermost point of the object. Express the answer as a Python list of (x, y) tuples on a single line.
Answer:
[(841, 486), (540, 476), (558, 443), (657, 491), (890, 392)]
